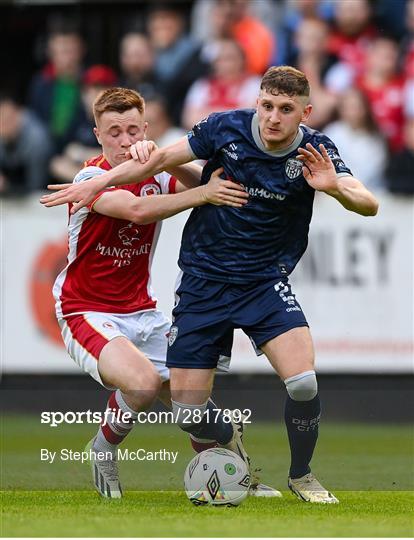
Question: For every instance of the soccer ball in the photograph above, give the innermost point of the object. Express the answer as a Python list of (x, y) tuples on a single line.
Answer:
[(217, 477)]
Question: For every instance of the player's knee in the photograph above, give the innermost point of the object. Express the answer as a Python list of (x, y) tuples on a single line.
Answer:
[(303, 386), (155, 384), (188, 417), (143, 388)]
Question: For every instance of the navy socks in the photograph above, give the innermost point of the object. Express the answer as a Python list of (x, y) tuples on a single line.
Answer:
[(302, 423)]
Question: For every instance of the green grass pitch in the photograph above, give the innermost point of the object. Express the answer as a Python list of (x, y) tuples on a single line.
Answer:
[(369, 467)]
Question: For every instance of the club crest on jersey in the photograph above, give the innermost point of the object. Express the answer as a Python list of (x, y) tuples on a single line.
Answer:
[(293, 168), (129, 234), (150, 189), (172, 335)]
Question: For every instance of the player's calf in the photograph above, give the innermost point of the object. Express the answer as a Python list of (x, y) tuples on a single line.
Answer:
[(202, 422), (117, 423), (302, 414)]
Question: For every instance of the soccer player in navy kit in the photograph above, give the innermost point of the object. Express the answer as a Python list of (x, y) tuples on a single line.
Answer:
[(236, 261)]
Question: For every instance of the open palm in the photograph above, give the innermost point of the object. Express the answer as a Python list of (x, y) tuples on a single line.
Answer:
[(318, 170)]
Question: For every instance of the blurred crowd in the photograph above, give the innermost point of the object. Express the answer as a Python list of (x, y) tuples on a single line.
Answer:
[(358, 56)]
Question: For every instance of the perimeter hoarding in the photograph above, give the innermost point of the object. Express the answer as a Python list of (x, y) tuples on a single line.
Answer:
[(355, 285)]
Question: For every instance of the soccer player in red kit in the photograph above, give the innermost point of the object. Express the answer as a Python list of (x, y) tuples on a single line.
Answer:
[(104, 301)]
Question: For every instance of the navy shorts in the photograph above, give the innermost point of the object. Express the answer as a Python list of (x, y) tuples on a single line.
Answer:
[(207, 312)]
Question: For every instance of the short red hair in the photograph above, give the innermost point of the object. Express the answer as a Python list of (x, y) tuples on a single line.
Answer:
[(118, 100)]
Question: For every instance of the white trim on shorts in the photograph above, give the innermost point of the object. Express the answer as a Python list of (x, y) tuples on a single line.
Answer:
[(147, 330)]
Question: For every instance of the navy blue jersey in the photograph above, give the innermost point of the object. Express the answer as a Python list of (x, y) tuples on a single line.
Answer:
[(266, 238)]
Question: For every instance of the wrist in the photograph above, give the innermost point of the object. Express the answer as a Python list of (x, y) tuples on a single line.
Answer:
[(203, 194), (334, 190)]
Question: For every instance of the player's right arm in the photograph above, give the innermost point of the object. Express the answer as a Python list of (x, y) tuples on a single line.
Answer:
[(129, 172), (188, 175), (122, 204)]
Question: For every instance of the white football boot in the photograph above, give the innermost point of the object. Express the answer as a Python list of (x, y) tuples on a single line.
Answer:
[(308, 489), (236, 443), (256, 489), (105, 475), (261, 490)]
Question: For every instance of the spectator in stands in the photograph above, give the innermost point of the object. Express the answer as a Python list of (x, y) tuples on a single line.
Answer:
[(83, 144), (399, 173), (137, 64), (354, 30), (231, 19), (160, 127), (228, 87), (177, 56), (55, 91), (382, 83), (358, 140), (312, 57), (295, 11), (25, 149), (349, 41), (267, 11)]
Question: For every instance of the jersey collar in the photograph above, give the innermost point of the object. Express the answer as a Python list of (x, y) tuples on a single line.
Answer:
[(99, 161), (275, 153)]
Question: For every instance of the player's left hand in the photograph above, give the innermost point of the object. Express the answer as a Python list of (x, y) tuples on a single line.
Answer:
[(224, 192), (142, 150), (318, 169)]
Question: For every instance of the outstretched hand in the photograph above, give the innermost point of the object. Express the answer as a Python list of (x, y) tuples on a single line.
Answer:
[(80, 194), (224, 192), (83, 193), (318, 169)]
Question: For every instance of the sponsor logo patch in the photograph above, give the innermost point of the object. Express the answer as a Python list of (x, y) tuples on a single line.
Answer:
[(335, 157)]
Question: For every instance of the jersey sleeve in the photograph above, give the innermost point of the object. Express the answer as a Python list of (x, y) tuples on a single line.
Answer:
[(86, 174), (340, 167), (202, 137), (166, 182)]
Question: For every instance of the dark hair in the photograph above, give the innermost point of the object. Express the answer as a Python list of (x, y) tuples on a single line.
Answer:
[(173, 7), (58, 24), (118, 100), (285, 80), (13, 95)]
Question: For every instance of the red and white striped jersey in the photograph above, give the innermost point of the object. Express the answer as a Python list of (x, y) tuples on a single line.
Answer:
[(109, 261)]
